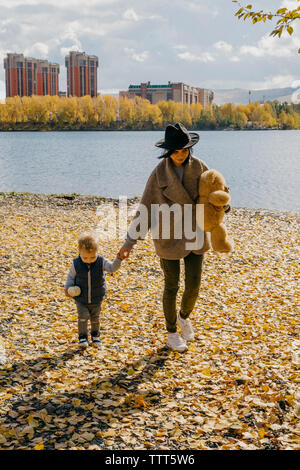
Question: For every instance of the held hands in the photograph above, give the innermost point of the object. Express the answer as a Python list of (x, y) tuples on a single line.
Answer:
[(123, 253)]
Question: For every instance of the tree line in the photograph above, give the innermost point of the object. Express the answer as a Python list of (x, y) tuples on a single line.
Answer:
[(108, 112)]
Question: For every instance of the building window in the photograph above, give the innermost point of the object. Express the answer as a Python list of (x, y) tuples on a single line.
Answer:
[(82, 81), (92, 81)]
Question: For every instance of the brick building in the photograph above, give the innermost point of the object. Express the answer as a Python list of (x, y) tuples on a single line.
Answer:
[(178, 92), (25, 76), (81, 74)]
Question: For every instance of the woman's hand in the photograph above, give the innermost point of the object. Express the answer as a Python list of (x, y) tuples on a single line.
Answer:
[(124, 252)]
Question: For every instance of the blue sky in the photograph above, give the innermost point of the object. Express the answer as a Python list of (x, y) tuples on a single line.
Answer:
[(198, 42)]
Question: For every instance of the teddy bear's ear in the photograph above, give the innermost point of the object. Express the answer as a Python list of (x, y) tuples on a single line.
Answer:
[(212, 176)]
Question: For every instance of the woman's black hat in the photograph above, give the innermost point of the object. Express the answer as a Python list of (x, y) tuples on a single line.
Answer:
[(177, 137)]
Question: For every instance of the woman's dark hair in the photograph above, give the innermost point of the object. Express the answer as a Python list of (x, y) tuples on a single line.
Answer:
[(168, 153)]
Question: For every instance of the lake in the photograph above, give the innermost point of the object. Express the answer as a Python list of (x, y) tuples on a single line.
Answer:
[(261, 168)]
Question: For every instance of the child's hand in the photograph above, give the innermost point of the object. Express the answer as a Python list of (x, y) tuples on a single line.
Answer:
[(66, 292)]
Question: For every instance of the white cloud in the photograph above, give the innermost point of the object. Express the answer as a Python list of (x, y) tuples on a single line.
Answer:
[(109, 91), (189, 57), (290, 4), (130, 15), (272, 47), (65, 50), (192, 6), (141, 57), (277, 81), (38, 49), (55, 3), (223, 46), (123, 35), (2, 90), (268, 82), (180, 47)]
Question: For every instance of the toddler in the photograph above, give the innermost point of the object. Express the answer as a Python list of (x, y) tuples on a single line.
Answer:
[(87, 273)]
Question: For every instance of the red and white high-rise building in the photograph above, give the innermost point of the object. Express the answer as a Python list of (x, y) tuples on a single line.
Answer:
[(25, 76), (81, 74)]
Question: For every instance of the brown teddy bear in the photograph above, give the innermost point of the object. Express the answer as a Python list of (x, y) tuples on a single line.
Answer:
[(213, 193)]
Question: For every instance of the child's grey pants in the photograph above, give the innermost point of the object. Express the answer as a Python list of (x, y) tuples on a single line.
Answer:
[(85, 313)]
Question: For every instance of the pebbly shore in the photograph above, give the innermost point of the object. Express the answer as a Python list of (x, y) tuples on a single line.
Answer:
[(236, 387)]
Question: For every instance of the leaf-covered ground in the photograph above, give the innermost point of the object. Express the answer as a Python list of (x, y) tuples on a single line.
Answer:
[(235, 387)]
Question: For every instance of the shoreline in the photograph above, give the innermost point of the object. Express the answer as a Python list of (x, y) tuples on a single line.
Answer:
[(146, 130), (73, 200)]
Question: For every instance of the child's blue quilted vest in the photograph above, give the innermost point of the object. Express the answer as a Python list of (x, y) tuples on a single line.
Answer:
[(91, 280)]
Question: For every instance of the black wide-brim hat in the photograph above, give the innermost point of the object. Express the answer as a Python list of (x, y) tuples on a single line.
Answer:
[(177, 137)]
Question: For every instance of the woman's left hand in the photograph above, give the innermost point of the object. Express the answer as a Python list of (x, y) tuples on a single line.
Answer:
[(124, 253)]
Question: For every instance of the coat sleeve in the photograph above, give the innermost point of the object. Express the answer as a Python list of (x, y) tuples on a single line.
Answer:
[(204, 166)]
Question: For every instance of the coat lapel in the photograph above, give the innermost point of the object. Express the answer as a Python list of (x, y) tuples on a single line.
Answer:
[(189, 181), (172, 187)]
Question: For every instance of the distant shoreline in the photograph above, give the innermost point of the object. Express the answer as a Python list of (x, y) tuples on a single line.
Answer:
[(144, 130)]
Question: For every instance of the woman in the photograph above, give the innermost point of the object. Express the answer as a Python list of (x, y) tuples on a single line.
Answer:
[(175, 180)]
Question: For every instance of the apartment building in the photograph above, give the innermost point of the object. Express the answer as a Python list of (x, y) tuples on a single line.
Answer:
[(178, 92), (25, 76), (81, 74)]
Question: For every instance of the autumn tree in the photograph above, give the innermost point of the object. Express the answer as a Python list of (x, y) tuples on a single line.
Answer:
[(14, 110), (285, 18), (108, 106), (67, 111), (87, 111), (36, 109), (208, 118), (196, 110), (108, 112), (182, 114), (155, 116), (168, 111), (126, 112), (289, 120)]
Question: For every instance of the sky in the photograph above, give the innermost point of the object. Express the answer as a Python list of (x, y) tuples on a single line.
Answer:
[(198, 42)]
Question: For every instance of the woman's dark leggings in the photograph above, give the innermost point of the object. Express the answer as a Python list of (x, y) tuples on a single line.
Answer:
[(171, 269)]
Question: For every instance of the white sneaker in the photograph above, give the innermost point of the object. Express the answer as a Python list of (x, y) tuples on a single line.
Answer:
[(83, 343), (96, 342), (175, 341), (186, 328)]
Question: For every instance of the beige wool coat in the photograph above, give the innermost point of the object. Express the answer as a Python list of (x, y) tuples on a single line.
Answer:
[(164, 187)]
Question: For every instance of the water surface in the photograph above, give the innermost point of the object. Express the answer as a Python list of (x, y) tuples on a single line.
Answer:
[(261, 167)]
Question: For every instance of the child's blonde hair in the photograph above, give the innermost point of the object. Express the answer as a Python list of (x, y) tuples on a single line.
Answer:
[(87, 241)]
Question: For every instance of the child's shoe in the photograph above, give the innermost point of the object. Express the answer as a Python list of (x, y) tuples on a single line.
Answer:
[(83, 342), (175, 341), (186, 328)]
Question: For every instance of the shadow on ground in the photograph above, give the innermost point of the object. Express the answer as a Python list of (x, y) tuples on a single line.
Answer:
[(29, 377)]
